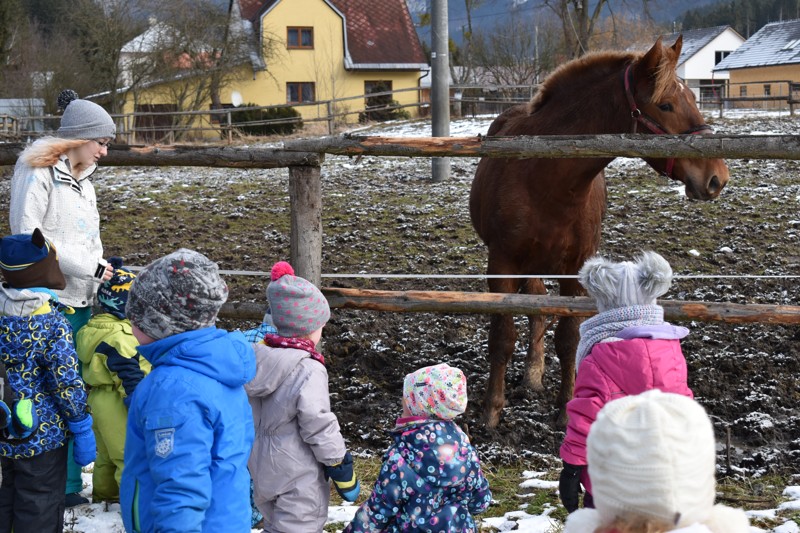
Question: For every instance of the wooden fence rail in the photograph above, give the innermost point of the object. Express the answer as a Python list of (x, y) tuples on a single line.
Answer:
[(304, 159), (525, 304), (190, 156), (622, 145)]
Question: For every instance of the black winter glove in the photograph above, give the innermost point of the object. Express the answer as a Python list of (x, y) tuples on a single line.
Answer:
[(344, 478), (569, 486)]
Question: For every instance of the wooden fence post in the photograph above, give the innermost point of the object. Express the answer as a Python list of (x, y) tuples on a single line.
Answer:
[(329, 110), (305, 195)]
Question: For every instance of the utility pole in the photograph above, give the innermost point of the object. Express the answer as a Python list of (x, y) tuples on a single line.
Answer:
[(440, 85)]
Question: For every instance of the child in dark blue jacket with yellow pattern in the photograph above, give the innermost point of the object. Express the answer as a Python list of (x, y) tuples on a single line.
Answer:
[(48, 396), (431, 477)]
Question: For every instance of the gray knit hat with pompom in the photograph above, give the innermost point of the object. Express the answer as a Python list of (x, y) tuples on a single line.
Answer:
[(83, 119), (176, 293)]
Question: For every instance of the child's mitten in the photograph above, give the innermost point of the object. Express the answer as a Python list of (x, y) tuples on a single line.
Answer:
[(24, 420), (84, 449), (569, 486), (344, 478)]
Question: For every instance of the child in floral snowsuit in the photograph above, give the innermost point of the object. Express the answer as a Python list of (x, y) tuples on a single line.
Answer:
[(423, 487)]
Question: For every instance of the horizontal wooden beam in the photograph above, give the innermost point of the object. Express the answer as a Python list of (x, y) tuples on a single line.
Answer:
[(523, 304), (559, 146), (190, 156)]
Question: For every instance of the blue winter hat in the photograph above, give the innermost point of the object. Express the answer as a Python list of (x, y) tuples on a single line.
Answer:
[(30, 260), (113, 294)]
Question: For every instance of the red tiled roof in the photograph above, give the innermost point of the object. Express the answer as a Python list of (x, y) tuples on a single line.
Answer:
[(250, 9), (380, 31)]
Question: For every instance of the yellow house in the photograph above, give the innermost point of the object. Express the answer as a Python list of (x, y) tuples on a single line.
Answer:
[(325, 56), (765, 70)]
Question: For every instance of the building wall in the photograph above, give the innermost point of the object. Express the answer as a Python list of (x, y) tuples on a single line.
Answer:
[(756, 78), (700, 65), (324, 65)]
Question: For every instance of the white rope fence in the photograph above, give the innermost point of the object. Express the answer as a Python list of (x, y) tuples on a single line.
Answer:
[(260, 273)]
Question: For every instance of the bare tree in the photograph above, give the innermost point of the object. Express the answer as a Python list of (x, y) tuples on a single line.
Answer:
[(197, 49), (579, 19), (519, 52), (101, 28)]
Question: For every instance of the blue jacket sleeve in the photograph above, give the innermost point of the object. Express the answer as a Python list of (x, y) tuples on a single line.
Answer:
[(127, 368), (62, 362), (178, 439), (480, 495)]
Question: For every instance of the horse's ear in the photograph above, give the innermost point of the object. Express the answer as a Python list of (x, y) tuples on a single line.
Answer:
[(678, 45), (647, 66)]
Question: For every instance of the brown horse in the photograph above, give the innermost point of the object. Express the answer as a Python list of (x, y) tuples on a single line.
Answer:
[(543, 216)]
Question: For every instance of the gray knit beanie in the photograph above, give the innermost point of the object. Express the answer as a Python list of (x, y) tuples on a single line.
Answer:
[(298, 307), (83, 119), (179, 292)]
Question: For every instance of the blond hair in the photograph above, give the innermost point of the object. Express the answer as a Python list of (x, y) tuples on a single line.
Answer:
[(46, 151)]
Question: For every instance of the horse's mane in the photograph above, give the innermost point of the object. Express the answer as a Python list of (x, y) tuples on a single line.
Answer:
[(602, 62)]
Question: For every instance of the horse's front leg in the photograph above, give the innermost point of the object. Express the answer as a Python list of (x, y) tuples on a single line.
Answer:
[(502, 340), (534, 363), (566, 343)]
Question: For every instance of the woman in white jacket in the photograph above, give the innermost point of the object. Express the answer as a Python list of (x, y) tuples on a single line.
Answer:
[(652, 461), (50, 190)]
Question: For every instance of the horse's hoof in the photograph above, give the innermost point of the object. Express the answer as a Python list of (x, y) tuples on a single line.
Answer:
[(561, 419), (533, 383), (491, 419)]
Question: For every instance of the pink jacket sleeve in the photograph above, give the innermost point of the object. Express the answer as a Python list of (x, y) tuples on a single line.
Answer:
[(592, 392)]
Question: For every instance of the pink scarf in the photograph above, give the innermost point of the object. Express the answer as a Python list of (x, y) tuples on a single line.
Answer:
[(276, 341)]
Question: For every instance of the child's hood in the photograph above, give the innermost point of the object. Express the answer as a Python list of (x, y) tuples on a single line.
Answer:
[(224, 356), (436, 450), (273, 366), (20, 302)]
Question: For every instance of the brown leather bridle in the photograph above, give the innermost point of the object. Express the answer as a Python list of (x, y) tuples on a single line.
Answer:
[(651, 124)]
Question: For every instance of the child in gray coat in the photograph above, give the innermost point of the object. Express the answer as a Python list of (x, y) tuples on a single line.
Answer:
[(298, 443)]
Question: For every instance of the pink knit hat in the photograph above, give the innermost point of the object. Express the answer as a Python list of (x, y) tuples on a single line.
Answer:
[(438, 391)]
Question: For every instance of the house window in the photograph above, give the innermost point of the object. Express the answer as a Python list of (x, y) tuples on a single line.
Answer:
[(719, 55), (767, 90), (791, 44), (299, 37), (299, 92), (743, 90)]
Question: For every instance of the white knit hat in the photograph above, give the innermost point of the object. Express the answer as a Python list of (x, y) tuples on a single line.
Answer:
[(653, 455), (625, 284)]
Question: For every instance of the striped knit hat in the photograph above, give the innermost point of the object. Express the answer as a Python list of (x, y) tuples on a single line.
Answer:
[(298, 307)]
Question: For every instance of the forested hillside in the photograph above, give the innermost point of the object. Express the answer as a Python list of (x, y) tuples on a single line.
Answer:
[(745, 16)]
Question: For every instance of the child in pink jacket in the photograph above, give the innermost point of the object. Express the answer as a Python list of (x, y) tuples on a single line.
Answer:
[(626, 349)]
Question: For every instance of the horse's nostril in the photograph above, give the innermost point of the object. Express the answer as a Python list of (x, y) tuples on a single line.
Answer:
[(714, 185)]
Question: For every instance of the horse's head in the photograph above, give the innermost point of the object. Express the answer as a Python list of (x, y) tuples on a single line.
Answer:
[(666, 105)]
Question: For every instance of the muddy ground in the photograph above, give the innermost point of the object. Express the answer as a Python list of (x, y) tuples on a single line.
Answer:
[(383, 215)]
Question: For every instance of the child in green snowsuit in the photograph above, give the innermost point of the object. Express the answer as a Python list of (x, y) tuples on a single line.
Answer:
[(113, 368)]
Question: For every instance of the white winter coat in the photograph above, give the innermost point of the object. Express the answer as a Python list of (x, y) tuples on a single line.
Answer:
[(65, 209)]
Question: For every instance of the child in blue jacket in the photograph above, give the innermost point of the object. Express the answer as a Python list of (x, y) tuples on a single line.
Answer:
[(190, 427), (43, 392), (431, 477)]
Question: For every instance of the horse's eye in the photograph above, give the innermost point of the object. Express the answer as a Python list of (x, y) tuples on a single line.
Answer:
[(665, 107)]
